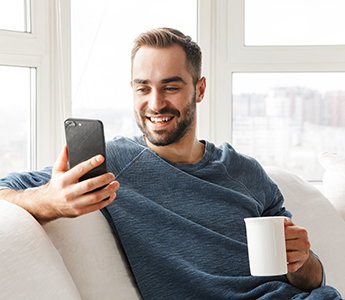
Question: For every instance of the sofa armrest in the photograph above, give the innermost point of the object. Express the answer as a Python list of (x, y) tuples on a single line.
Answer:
[(30, 265)]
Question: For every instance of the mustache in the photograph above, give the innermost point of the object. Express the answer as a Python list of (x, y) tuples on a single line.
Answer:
[(165, 110)]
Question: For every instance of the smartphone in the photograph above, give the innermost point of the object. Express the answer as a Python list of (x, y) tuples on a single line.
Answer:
[(85, 139)]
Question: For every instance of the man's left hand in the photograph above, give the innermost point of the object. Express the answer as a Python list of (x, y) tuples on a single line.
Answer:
[(304, 268), (297, 245)]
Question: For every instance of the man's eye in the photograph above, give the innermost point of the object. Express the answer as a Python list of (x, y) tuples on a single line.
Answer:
[(171, 89), (142, 90)]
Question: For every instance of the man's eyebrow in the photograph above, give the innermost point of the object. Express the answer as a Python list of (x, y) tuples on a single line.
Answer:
[(163, 81), (140, 81), (173, 79)]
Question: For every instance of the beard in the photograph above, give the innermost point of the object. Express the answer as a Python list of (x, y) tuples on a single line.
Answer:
[(166, 137)]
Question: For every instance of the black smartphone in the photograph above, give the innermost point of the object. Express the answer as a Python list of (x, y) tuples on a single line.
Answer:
[(85, 139)]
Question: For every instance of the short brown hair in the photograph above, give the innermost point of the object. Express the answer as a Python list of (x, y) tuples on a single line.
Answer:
[(166, 37)]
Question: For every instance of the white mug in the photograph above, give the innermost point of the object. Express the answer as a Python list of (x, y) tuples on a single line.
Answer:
[(266, 246)]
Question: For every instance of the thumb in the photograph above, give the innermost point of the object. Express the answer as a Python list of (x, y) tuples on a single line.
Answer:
[(61, 162)]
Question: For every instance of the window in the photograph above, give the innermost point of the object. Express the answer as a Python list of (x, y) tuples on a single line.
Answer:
[(102, 35), (16, 109), (287, 119), (276, 97), (15, 15), (33, 43)]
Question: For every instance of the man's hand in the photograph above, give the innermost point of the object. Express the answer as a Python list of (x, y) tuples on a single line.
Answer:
[(64, 195), (304, 269)]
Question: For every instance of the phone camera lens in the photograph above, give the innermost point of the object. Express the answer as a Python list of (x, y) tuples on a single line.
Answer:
[(70, 124)]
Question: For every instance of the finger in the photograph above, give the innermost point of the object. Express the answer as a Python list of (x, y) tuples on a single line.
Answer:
[(293, 267), (297, 256), (296, 260), (288, 222), (81, 169), (101, 195), (292, 245), (84, 196), (93, 201), (91, 184), (296, 232), (297, 244), (61, 162), (95, 206)]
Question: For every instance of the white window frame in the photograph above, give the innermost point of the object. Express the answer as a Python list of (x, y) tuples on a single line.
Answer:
[(49, 37), (221, 37)]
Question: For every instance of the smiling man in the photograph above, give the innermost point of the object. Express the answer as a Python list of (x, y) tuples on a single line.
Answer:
[(166, 87), (179, 213)]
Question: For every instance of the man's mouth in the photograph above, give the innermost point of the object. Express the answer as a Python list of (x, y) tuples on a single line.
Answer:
[(160, 119)]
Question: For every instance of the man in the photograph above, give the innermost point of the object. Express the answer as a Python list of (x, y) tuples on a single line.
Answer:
[(180, 209)]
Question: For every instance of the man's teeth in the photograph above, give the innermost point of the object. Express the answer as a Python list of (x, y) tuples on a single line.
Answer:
[(160, 120)]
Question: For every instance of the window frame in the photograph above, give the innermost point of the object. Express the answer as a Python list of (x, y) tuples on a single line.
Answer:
[(49, 37), (221, 37)]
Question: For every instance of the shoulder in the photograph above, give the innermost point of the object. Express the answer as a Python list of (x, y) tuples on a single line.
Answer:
[(234, 161), (240, 166), (120, 143), (121, 151), (248, 171)]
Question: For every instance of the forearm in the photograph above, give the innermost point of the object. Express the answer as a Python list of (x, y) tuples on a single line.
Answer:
[(30, 199), (64, 195), (309, 276)]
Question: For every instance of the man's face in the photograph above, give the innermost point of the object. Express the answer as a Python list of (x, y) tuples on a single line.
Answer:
[(163, 93)]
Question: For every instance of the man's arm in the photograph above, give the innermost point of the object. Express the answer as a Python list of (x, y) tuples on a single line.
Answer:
[(304, 268), (64, 195)]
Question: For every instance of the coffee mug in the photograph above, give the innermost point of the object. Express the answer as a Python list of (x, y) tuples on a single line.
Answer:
[(266, 246)]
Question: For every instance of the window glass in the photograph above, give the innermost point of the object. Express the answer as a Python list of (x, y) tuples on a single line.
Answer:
[(15, 15), (15, 111), (294, 22), (102, 38), (287, 119)]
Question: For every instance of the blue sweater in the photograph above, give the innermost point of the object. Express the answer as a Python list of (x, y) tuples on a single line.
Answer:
[(181, 225)]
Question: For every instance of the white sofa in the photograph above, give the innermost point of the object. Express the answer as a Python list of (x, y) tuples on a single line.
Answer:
[(80, 259)]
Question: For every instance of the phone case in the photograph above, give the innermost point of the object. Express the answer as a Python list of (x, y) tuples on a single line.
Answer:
[(85, 139)]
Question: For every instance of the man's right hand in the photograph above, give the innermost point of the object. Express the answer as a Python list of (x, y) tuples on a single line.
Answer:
[(64, 195)]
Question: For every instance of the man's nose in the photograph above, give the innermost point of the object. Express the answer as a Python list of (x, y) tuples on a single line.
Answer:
[(156, 101)]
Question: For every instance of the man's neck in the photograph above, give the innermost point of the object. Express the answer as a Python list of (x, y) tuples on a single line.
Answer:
[(184, 151)]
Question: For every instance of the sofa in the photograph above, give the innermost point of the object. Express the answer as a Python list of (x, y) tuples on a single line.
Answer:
[(80, 258)]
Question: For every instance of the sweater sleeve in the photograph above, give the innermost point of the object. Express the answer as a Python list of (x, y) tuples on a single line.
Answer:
[(25, 180)]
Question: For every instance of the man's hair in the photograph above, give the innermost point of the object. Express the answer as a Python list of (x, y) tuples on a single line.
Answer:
[(167, 37)]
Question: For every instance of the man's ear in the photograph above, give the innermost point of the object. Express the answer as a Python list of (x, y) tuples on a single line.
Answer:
[(131, 83), (200, 89)]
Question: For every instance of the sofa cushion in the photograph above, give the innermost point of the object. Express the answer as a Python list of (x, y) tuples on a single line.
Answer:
[(93, 257), (30, 265), (312, 210)]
